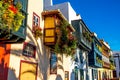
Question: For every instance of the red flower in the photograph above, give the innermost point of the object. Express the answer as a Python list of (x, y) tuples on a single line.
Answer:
[(12, 8), (36, 28)]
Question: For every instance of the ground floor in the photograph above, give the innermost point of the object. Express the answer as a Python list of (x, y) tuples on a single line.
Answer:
[(105, 74), (18, 64)]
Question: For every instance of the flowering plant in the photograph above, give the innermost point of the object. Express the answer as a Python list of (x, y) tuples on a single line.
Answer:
[(66, 41), (10, 15), (37, 31)]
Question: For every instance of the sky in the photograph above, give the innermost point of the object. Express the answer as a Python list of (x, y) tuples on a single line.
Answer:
[(101, 17)]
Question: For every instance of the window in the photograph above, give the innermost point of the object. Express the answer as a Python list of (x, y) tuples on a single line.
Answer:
[(28, 70), (29, 50), (66, 75), (53, 63), (36, 20)]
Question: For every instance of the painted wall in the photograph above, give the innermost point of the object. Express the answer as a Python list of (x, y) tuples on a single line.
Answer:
[(17, 49), (4, 60)]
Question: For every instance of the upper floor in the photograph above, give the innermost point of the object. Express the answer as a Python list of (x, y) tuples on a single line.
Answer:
[(105, 48), (13, 21), (58, 32), (65, 8), (83, 34), (95, 56)]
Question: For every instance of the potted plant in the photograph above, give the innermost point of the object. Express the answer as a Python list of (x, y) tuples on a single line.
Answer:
[(10, 16), (66, 42), (37, 31)]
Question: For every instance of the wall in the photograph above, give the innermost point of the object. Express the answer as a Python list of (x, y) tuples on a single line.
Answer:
[(66, 10), (16, 49), (4, 60)]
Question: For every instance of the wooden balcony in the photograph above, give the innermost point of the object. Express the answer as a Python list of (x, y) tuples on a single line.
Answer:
[(9, 36), (12, 22)]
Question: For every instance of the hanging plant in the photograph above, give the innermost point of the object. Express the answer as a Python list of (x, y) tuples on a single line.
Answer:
[(66, 42), (10, 15), (37, 31)]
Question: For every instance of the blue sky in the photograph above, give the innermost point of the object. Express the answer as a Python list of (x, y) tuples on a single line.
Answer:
[(101, 16)]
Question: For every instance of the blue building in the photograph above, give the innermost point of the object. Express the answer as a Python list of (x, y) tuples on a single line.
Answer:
[(95, 58)]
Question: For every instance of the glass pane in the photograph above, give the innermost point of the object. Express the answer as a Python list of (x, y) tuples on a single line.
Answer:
[(29, 50), (49, 32), (49, 22), (49, 39)]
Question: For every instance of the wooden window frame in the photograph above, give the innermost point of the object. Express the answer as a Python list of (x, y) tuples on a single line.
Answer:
[(67, 75), (23, 61), (24, 45), (34, 14)]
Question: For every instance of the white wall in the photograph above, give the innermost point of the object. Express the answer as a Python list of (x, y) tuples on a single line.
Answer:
[(66, 10), (37, 7), (72, 14), (16, 49)]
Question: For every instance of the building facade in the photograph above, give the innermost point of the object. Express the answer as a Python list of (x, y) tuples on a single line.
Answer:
[(104, 71), (37, 43), (95, 58), (65, 8), (84, 47), (20, 52)]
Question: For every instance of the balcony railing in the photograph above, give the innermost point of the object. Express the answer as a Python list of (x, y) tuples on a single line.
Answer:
[(85, 41), (97, 50), (105, 53), (106, 65), (11, 29)]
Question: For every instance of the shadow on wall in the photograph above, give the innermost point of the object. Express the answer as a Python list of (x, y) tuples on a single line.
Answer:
[(4, 63), (4, 71), (43, 56), (60, 66), (58, 77)]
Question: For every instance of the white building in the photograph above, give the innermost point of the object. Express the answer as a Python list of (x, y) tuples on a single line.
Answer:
[(65, 8)]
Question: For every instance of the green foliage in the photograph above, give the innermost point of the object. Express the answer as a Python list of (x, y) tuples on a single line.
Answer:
[(37, 32), (65, 45), (10, 16)]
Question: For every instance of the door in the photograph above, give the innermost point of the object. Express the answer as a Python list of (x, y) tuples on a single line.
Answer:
[(4, 60)]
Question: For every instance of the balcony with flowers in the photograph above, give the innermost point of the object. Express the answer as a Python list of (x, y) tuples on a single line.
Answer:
[(37, 32), (112, 64), (95, 56), (11, 17), (83, 34), (58, 33)]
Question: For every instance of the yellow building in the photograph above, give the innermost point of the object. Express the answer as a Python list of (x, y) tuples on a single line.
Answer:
[(105, 72)]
